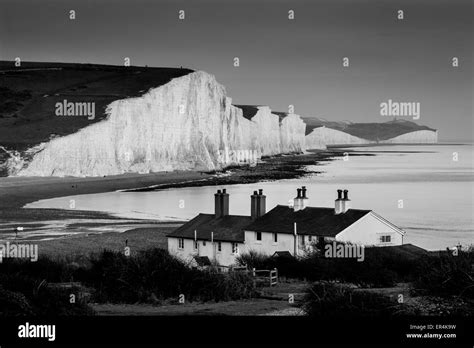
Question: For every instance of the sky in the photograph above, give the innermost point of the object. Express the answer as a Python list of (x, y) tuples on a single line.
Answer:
[(282, 61)]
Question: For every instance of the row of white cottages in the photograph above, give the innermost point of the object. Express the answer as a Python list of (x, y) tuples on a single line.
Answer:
[(221, 237)]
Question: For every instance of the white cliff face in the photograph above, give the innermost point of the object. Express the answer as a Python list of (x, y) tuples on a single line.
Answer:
[(292, 134), (320, 137), (267, 131), (186, 124), (178, 126), (417, 137)]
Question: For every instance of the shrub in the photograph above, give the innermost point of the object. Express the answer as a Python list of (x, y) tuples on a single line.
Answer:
[(446, 274), (257, 260), (326, 299), (25, 295), (155, 275)]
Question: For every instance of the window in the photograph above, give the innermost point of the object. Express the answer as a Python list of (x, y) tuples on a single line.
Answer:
[(180, 243), (219, 246), (310, 239), (259, 235), (235, 248), (385, 239), (203, 243), (275, 237), (195, 245)]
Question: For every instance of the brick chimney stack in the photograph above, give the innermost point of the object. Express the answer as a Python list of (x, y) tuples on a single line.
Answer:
[(217, 204), (257, 204), (221, 203), (342, 203), (297, 201), (225, 203)]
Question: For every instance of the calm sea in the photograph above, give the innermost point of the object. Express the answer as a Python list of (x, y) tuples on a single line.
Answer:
[(426, 189)]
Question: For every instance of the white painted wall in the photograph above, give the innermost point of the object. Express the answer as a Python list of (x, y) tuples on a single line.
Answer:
[(367, 231), (225, 257), (285, 242), (267, 245)]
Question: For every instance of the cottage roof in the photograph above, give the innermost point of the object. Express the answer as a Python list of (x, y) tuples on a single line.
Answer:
[(310, 221), (228, 228)]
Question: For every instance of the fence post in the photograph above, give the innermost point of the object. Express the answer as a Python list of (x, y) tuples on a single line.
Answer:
[(276, 275), (253, 270)]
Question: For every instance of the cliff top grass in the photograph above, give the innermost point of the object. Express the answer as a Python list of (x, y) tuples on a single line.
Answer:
[(28, 95)]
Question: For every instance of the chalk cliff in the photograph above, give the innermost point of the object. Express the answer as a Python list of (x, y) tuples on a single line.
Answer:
[(185, 124)]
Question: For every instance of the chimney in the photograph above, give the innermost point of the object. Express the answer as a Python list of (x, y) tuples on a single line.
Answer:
[(297, 201), (346, 202), (261, 203), (257, 204), (304, 199), (303, 190), (217, 204), (225, 203), (342, 203), (253, 205), (338, 203)]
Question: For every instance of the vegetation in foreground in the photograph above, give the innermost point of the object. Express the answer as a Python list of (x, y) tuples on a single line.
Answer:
[(441, 283), (153, 276), (150, 276)]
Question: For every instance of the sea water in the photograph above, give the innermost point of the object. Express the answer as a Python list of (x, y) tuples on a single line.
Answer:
[(427, 190)]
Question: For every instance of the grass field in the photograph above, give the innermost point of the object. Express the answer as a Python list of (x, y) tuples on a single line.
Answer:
[(138, 239)]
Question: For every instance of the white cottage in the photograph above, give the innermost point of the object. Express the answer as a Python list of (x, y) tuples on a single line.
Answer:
[(221, 237)]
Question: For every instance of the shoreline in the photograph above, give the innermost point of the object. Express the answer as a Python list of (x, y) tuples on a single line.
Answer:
[(16, 192)]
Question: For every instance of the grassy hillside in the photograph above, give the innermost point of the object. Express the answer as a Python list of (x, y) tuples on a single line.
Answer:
[(28, 95), (369, 131), (248, 111)]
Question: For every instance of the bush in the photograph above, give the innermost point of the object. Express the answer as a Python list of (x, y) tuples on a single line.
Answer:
[(22, 295), (149, 276), (374, 271), (325, 299), (154, 275), (447, 275), (257, 260)]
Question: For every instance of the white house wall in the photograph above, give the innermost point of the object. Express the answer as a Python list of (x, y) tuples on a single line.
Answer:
[(225, 257), (367, 231)]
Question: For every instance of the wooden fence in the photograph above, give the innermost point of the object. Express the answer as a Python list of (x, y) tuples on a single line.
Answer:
[(266, 277)]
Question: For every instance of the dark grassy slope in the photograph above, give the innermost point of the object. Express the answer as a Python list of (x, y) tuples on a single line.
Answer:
[(28, 96), (369, 131), (248, 111)]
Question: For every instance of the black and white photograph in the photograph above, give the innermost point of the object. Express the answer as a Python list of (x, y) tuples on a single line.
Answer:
[(236, 172)]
